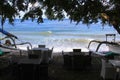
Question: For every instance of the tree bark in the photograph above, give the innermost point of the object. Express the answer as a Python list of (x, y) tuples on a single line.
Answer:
[(116, 27)]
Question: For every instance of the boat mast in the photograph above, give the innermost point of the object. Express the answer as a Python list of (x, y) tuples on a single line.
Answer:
[(111, 35)]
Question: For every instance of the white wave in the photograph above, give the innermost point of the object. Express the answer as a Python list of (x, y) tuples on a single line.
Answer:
[(45, 33)]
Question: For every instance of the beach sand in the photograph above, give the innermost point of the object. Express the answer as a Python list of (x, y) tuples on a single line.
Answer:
[(57, 71)]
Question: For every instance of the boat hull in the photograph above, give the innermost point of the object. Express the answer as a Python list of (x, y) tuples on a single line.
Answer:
[(114, 48)]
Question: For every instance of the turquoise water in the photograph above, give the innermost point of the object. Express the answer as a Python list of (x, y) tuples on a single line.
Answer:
[(62, 35)]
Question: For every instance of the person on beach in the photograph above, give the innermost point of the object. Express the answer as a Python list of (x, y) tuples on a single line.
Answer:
[(8, 42)]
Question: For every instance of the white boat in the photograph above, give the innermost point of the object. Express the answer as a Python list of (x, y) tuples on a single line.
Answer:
[(112, 46), (10, 42)]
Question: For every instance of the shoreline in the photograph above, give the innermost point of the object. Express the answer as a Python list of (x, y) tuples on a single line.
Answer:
[(59, 50)]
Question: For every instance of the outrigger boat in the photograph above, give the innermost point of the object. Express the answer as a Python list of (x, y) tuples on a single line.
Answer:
[(113, 47), (8, 42)]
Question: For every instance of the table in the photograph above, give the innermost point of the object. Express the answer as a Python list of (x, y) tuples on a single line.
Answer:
[(76, 60), (26, 60), (42, 49), (116, 64), (32, 69)]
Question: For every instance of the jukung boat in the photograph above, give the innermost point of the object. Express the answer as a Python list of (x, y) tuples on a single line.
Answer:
[(9, 42), (113, 47)]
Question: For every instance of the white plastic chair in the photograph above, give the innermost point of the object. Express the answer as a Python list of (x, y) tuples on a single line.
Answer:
[(50, 53), (107, 70)]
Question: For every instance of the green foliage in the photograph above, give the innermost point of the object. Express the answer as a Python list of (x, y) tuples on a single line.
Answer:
[(7, 12), (34, 13), (85, 11)]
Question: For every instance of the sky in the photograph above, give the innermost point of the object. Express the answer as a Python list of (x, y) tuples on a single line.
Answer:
[(36, 5)]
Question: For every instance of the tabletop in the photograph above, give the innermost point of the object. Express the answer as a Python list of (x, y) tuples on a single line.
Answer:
[(43, 49), (26, 60), (115, 63)]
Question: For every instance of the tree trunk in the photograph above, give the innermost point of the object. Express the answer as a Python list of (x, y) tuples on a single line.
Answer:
[(116, 27)]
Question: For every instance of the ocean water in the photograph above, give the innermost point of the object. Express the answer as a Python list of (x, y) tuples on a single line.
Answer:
[(62, 35)]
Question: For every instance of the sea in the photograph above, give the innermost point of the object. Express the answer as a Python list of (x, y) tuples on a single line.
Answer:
[(62, 35)]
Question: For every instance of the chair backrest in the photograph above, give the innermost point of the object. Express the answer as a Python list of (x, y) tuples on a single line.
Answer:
[(67, 59), (41, 46), (37, 52), (50, 53), (45, 57), (34, 53), (76, 50), (107, 70), (29, 51)]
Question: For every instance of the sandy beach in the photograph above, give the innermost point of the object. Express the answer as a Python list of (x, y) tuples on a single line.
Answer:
[(57, 71)]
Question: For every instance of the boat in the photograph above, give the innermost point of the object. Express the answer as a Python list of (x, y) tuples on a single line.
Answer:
[(9, 42), (112, 45), (108, 44), (115, 48)]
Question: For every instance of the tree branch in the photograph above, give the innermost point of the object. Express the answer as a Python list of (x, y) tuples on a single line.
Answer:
[(116, 28)]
